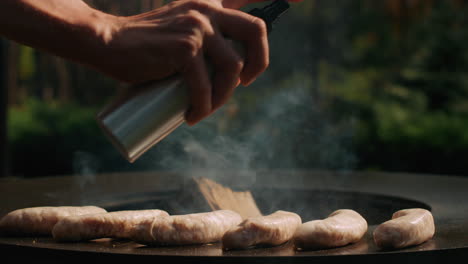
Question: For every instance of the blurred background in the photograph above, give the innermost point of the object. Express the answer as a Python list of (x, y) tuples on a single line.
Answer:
[(352, 85)]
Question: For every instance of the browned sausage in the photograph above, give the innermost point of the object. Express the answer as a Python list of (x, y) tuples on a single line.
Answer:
[(341, 228), (407, 227), (188, 229), (40, 220), (109, 225), (270, 230)]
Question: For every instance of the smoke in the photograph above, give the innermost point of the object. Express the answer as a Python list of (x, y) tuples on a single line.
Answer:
[(85, 167), (288, 128), (285, 129), (280, 123)]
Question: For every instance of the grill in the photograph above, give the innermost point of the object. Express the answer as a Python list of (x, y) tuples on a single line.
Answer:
[(311, 194)]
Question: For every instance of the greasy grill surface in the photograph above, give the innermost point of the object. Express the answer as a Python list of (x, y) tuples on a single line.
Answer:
[(312, 195), (310, 204)]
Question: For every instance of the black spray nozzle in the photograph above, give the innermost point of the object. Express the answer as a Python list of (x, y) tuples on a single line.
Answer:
[(271, 12)]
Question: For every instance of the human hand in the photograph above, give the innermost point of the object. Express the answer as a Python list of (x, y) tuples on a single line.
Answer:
[(177, 38), (236, 4)]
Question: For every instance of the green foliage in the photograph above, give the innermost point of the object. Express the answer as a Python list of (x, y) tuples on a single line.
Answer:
[(349, 87), (45, 137), (409, 91)]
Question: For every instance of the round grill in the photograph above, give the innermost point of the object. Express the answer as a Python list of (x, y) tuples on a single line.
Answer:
[(313, 195)]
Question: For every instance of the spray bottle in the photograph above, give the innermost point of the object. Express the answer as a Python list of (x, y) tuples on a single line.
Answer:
[(136, 122)]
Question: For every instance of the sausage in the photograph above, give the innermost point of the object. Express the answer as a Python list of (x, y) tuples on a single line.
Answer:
[(200, 228), (40, 220), (103, 225), (408, 227), (271, 230), (341, 228)]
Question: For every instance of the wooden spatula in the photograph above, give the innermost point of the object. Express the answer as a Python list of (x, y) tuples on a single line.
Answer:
[(220, 197)]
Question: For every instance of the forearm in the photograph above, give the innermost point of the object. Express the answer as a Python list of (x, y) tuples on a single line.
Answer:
[(173, 39), (67, 28)]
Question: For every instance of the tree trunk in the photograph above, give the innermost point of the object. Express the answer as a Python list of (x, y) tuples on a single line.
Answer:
[(158, 3), (3, 111), (47, 90), (12, 76), (63, 77), (146, 5)]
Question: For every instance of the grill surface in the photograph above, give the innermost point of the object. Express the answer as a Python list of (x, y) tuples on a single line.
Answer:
[(313, 195)]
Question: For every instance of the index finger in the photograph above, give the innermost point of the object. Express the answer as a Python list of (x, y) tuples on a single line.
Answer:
[(252, 32)]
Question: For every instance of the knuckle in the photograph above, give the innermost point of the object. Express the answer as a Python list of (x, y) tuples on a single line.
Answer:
[(195, 22), (193, 18), (172, 5), (236, 66), (263, 64), (190, 46), (259, 26), (199, 5)]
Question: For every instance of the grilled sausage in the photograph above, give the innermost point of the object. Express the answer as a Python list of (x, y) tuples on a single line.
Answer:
[(270, 230), (40, 220), (103, 225), (341, 228), (408, 227), (188, 229)]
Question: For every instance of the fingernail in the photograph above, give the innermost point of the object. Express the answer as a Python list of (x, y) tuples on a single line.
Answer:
[(249, 83)]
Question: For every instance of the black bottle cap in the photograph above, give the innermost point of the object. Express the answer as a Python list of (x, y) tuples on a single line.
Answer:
[(271, 12)]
